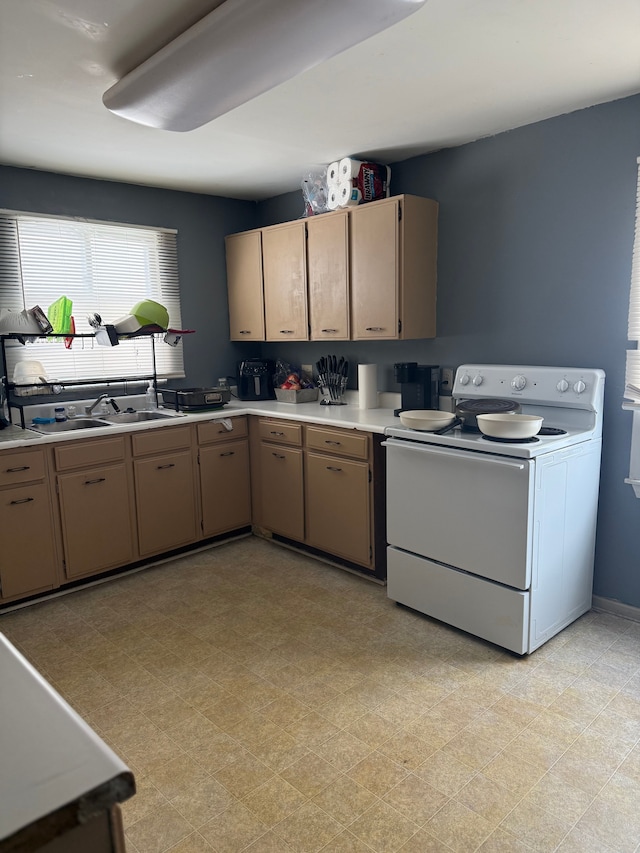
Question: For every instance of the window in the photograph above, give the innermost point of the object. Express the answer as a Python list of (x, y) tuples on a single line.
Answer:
[(103, 268), (632, 374), (632, 377)]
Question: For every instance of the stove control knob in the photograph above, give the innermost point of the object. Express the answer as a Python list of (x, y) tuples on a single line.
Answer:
[(562, 386), (464, 379), (579, 386), (478, 380), (518, 382)]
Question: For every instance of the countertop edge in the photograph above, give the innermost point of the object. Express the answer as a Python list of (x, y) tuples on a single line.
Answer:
[(346, 417)]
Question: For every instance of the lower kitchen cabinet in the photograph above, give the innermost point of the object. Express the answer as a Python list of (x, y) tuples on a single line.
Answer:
[(225, 480), (337, 507), (28, 559), (96, 519), (282, 490), (323, 487), (163, 469), (95, 501)]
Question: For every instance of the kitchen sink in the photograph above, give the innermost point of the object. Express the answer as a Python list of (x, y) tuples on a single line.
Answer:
[(136, 417), (73, 424)]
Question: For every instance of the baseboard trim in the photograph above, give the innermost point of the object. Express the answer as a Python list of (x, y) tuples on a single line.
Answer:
[(610, 605)]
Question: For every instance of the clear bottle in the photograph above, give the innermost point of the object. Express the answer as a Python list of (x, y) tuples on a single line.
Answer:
[(151, 398)]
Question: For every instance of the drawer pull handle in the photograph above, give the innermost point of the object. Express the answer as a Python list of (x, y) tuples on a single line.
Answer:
[(15, 470), (332, 468), (93, 482), (331, 331), (245, 331), (275, 432), (286, 331), (21, 501), (374, 329), (228, 453), (336, 443), (168, 465), (278, 455)]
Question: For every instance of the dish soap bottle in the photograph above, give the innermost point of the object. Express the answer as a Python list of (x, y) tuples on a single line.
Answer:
[(151, 399)]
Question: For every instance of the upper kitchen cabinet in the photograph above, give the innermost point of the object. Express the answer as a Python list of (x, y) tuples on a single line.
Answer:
[(328, 267), (284, 264), (393, 269), (244, 284)]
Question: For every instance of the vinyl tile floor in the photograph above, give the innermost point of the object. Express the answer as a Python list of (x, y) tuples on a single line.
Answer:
[(269, 703)]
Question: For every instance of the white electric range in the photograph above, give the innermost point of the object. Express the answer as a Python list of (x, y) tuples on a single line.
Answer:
[(498, 538)]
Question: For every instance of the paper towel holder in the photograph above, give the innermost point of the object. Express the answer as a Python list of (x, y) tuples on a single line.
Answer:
[(240, 50)]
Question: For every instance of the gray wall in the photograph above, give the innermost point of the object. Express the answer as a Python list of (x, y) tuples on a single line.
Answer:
[(201, 221), (536, 232)]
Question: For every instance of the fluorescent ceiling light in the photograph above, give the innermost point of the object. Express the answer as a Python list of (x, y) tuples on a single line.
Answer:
[(240, 50)]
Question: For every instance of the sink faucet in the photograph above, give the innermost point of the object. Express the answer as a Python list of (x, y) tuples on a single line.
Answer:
[(110, 400)]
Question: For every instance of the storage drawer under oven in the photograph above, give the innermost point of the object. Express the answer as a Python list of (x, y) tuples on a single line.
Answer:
[(482, 608), (472, 511)]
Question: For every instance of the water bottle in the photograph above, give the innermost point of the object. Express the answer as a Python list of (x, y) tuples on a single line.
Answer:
[(151, 399)]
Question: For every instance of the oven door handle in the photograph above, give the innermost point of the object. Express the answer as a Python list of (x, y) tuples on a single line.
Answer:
[(414, 447)]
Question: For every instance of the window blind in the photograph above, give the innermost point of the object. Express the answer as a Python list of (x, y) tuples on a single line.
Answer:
[(632, 376), (103, 268)]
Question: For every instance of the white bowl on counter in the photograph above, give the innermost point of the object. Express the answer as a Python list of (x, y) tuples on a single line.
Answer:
[(426, 419), (510, 425)]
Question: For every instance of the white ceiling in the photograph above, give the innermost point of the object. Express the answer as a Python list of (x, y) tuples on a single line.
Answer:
[(455, 71)]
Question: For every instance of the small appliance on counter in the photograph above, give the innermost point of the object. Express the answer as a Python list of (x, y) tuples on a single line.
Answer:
[(419, 385), (195, 399), (255, 379)]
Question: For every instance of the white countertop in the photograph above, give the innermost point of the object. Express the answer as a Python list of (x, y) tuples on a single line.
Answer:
[(347, 417), (50, 756)]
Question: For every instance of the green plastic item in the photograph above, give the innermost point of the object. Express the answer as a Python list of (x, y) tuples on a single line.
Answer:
[(59, 315)]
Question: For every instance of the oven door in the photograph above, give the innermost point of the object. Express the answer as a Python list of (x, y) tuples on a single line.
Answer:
[(469, 510)]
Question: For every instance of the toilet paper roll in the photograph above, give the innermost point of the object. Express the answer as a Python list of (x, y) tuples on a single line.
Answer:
[(368, 386), (348, 195), (349, 168), (333, 198), (333, 174)]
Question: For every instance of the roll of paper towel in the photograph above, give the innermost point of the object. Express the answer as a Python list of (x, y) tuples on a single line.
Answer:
[(368, 386), (333, 174), (333, 197), (348, 195), (349, 168)]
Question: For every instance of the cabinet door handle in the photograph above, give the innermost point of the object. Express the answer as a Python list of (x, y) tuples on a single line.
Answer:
[(15, 470), (275, 432), (93, 482), (374, 329), (228, 453), (168, 465), (21, 501), (332, 331), (278, 455), (336, 443), (245, 331), (332, 468), (286, 331)]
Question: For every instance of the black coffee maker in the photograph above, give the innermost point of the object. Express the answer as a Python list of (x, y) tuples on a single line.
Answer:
[(255, 379), (419, 385)]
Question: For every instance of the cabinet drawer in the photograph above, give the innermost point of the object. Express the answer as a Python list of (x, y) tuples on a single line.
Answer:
[(159, 440), (21, 467), (82, 453), (278, 431), (345, 443), (214, 430)]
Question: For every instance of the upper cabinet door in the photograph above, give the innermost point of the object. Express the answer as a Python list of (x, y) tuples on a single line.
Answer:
[(284, 260), (244, 284), (393, 267), (328, 263), (375, 270)]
